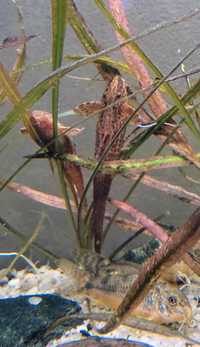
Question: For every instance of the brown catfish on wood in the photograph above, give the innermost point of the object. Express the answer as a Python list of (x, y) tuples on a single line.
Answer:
[(105, 283), (42, 125)]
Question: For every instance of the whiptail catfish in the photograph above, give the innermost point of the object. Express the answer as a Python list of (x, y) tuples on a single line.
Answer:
[(106, 283)]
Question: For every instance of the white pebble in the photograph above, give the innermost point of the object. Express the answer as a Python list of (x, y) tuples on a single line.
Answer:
[(35, 300)]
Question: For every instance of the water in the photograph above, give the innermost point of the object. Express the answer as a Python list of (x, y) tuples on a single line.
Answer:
[(165, 48)]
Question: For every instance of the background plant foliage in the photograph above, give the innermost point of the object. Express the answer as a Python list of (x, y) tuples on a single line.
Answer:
[(64, 14)]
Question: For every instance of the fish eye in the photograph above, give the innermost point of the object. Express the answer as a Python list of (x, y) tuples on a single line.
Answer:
[(172, 300), (181, 279)]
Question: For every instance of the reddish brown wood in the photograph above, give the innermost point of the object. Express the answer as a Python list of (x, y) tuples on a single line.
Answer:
[(109, 123)]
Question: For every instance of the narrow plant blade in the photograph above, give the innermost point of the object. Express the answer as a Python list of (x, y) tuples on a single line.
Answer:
[(14, 96), (16, 71), (26, 245), (58, 35), (11, 91), (59, 15), (82, 31), (117, 64)]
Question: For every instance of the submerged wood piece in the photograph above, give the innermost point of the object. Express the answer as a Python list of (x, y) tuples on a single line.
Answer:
[(109, 123)]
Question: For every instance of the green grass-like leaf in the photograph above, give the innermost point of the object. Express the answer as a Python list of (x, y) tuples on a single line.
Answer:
[(82, 31), (11, 91), (102, 60), (58, 20), (88, 41), (16, 71)]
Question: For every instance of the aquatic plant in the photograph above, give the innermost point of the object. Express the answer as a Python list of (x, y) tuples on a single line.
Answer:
[(124, 124)]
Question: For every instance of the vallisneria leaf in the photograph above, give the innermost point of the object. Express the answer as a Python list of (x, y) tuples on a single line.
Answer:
[(16, 71), (58, 35), (102, 60), (88, 40), (14, 96), (12, 93), (82, 31), (59, 20)]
